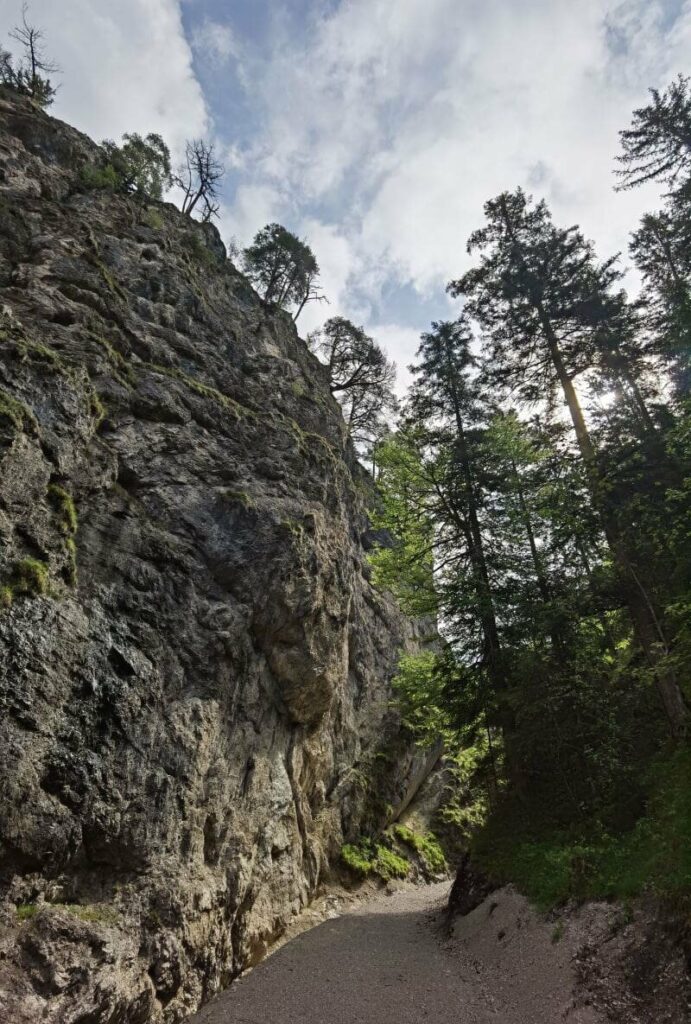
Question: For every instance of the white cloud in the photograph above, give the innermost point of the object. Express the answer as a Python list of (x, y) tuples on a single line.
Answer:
[(402, 119), (214, 41), (126, 66)]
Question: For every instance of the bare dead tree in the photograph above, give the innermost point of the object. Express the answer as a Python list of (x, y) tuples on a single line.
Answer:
[(199, 178), (29, 74)]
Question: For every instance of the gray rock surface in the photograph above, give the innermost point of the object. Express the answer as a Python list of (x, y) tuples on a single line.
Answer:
[(194, 675)]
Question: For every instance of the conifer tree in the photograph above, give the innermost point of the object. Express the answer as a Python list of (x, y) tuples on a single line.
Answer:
[(544, 300)]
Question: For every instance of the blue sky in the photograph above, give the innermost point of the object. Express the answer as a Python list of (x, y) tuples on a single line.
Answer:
[(377, 128)]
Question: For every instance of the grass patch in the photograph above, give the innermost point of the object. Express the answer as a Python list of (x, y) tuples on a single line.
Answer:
[(425, 845), (30, 577), (71, 572), (64, 503), (238, 497), (152, 219), (27, 911), (13, 412)]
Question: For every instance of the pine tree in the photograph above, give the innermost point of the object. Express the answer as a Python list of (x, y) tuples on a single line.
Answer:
[(544, 301)]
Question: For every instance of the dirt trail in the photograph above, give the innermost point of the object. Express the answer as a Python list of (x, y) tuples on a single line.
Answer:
[(390, 962)]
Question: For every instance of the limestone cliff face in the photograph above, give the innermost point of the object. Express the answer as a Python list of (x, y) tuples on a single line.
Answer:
[(194, 668)]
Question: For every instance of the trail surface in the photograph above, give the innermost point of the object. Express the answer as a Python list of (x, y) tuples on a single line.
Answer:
[(389, 962)]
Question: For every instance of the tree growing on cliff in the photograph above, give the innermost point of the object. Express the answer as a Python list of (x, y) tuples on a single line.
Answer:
[(282, 268), (139, 167), (360, 376), (199, 178), (29, 73)]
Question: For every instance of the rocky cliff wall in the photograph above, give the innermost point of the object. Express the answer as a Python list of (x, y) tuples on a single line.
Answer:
[(194, 667)]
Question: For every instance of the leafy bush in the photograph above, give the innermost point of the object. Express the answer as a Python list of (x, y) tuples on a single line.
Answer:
[(139, 167), (104, 177), (426, 845), (370, 858), (554, 866)]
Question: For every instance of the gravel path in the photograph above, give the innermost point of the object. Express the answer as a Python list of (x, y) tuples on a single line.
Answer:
[(388, 962)]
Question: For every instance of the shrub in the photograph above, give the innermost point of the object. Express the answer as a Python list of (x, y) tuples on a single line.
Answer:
[(104, 177), (366, 858), (425, 845)]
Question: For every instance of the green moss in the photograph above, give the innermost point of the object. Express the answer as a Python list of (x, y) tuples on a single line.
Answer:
[(96, 408), (6, 597), (122, 371), (240, 497), (293, 527), (71, 549), (201, 252), (96, 913), (389, 864), (13, 412), (39, 353), (358, 859), (298, 388), (30, 577), (239, 411), (426, 845), (64, 502)]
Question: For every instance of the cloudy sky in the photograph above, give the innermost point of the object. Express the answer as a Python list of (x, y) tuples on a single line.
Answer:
[(377, 128)]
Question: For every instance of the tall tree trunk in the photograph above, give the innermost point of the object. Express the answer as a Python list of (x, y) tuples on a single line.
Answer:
[(476, 546), (643, 614)]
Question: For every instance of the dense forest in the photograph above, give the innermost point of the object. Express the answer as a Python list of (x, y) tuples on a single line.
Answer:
[(540, 486)]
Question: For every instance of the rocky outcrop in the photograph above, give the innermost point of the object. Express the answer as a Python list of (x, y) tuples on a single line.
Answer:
[(194, 667)]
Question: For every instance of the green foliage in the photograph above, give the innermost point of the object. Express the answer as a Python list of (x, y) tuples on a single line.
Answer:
[(6, 597), (421, 695), (28, 73), (282, 268), (139, 167), (103, 177), (199, 250), (552, 867), (368, 857), (552, 541), (426, 845), (71, 549)]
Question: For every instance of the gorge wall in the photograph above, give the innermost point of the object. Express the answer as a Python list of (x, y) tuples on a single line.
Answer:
[(194, 666)]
